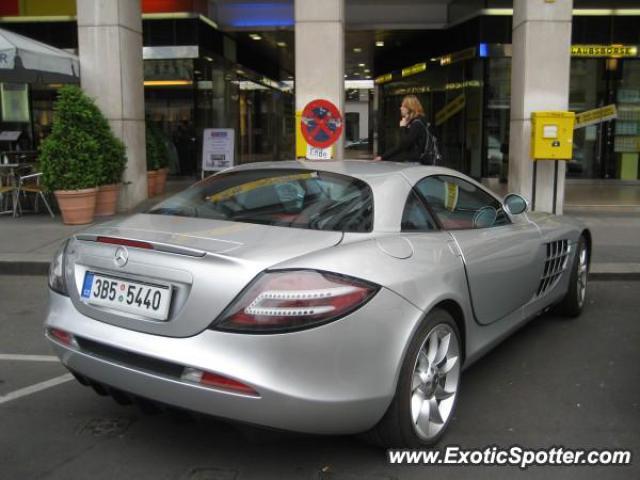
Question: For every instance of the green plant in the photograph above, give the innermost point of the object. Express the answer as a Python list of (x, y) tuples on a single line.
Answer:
[(69, 157), (81, 151), (113, 159), (157, 154)]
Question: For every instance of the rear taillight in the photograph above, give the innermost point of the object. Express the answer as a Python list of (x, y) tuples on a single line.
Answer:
[(296, 299)]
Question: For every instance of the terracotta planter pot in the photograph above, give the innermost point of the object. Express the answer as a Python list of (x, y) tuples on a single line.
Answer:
[(152, 182), (107, 200), (161, 181), (77, 206)]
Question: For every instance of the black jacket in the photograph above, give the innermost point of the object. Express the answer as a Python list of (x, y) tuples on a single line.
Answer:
[(412, 142)]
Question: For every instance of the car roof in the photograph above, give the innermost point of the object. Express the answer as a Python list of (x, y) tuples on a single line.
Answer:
[(362, 169)]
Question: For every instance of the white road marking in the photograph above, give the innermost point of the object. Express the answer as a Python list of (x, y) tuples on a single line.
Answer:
[(28, 358), (38, 387)]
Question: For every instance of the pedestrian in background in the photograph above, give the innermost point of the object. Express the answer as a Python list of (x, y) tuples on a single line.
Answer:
[(417, 144)]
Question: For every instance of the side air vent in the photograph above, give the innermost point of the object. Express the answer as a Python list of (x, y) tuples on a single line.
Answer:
[(554, 265)]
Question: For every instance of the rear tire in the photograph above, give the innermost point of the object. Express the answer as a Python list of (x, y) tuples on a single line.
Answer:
[(573, 302), (427, 389)]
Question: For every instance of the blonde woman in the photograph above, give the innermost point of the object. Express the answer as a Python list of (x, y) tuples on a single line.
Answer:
[(414, 133)]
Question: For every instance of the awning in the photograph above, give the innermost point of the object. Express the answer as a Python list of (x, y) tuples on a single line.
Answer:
[(23, 59)]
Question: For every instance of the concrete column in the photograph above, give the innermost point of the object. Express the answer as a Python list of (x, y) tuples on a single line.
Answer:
[(111, 71), (540, 69), (319, 36)]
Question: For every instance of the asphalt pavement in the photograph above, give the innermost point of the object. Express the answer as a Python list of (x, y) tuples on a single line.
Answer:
[(556, 382)]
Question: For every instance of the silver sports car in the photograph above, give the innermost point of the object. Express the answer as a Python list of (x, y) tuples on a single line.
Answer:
[(318, 297)]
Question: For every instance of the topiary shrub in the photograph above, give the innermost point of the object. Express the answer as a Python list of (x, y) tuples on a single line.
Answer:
[(70, 157), (113, 157)]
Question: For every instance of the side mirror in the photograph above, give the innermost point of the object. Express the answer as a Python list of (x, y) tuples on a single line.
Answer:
[(515, 204)]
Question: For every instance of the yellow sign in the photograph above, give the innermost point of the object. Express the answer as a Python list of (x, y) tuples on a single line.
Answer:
[(413, 69), (612, 51), (387, 77), (47, 7), (301, 143), (264, 182), (465, 54), (451, 191), (450, 109), (591, 117)]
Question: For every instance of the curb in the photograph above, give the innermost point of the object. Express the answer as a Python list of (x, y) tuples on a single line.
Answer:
[(615, 271), (608, 276), (599, 272), (24, 268)]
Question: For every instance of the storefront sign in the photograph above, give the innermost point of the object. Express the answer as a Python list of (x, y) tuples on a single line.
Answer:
[(465, 54), (612, 51), (387, 77), (410, 90), (598, 115), (450, 109), (321, 123), (218, 149), (414, 69), (465, 84)]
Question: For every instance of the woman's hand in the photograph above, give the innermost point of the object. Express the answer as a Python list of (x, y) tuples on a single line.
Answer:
[(404, 121), (377, 159)]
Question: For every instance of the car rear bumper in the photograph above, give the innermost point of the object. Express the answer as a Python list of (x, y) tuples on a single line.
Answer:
[(338, 378)]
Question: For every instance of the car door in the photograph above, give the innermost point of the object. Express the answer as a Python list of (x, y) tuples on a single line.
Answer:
[(502, 257)]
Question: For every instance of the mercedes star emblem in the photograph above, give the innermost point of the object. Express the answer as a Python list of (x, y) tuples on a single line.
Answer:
[(121, 257)]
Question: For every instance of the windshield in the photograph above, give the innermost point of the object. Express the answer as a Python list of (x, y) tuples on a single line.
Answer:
[(282, 197)]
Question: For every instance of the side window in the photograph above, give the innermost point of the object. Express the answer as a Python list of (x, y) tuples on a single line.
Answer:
[(415, 217), (459, 204)]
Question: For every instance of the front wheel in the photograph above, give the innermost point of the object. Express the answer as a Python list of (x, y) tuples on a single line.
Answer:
[(427, 388), (573, 302)]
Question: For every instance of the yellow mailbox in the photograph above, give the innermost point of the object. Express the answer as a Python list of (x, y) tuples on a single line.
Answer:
[(552, 135)]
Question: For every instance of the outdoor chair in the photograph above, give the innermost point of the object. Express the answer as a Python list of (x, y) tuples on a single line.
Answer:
[(7, 193), (31, 184)]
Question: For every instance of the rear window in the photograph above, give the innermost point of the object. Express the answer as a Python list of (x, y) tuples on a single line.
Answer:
[(286, 198)]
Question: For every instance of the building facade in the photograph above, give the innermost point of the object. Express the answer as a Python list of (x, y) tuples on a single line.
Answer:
[(466, 87), (195, 77)]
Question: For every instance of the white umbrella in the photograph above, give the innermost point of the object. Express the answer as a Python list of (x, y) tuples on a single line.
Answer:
[(23, 59)]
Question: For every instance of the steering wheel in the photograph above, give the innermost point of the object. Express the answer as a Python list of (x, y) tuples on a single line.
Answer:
[(484, 217)]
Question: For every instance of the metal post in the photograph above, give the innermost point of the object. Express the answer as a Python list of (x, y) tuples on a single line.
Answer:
[(555, 185), (533, 186)]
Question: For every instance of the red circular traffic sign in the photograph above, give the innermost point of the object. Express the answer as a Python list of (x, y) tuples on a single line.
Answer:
[(321, 123)]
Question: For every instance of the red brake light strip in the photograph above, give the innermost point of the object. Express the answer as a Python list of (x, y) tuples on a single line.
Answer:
[(126, 242)]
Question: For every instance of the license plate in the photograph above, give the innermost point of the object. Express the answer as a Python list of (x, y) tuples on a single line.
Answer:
[(140, 298)]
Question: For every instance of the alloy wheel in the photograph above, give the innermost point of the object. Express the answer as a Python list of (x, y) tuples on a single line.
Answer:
[(582, 275), (435, 380)]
